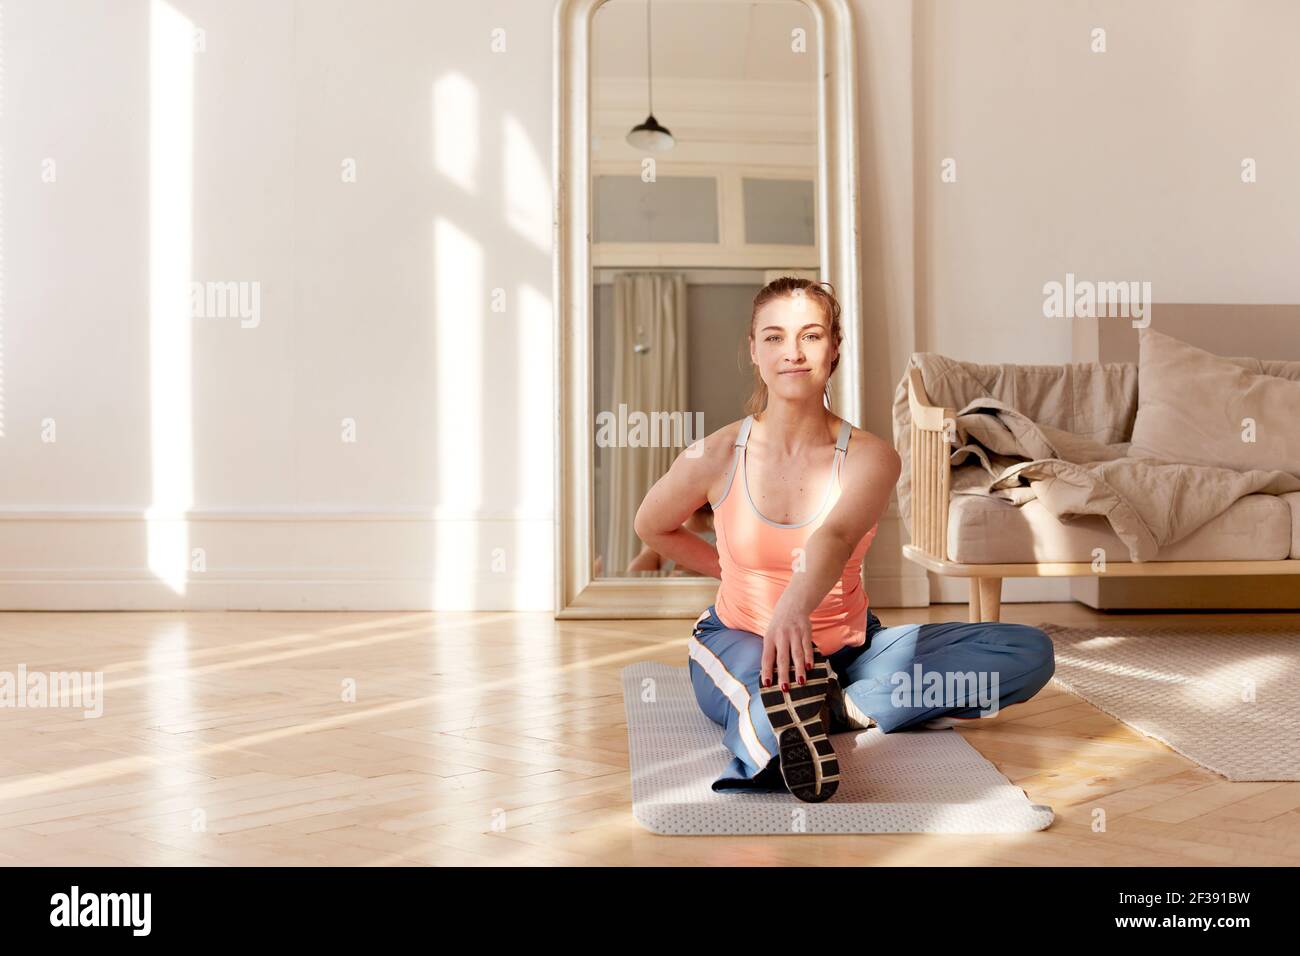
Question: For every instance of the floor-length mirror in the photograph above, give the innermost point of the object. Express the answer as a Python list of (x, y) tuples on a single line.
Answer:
[(703, 184)]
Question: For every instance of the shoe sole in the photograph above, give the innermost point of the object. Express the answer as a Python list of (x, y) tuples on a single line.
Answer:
[(808, 763)]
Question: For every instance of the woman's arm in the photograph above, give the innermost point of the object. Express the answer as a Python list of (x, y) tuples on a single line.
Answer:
[(867, 479), (676, 496), (647, 559)]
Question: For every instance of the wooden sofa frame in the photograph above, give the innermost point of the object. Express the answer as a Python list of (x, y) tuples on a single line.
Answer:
[(930, 485)]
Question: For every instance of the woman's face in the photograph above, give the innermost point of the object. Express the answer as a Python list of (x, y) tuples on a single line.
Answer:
[(792, 347)]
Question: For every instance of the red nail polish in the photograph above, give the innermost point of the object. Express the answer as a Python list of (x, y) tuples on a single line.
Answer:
[(767, 682), (784, 687), (802, 682)]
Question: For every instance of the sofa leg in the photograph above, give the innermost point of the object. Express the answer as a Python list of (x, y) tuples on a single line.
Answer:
[(974, 600), (990, 599)]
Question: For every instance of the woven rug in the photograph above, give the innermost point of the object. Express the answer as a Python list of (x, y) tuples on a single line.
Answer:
[(923, 781), (1225, 695)]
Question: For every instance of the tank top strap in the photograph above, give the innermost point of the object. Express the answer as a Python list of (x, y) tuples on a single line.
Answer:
[(742, 437), (841, 449)]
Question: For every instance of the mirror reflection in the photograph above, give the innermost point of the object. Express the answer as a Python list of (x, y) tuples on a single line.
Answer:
[(703, 189)]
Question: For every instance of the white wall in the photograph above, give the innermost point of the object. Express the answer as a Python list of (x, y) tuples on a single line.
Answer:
[(1117, 165), (376, 305), (883, 29), (377, 296)]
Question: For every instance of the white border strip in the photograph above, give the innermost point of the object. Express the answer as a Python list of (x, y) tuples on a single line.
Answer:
[(737, 693)]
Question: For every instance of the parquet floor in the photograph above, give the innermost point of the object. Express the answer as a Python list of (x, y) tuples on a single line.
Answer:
[(499, 738)]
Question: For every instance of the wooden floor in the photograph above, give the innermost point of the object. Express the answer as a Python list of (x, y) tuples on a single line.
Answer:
[(499, 738)]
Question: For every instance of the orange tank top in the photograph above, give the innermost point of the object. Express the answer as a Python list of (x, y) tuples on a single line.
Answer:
[(757, 558)]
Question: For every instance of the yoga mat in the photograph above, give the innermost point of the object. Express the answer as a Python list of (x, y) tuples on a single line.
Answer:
[(922, 781)]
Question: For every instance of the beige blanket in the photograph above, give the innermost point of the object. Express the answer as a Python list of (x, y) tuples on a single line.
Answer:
[(1149, 503), (1001, 450)]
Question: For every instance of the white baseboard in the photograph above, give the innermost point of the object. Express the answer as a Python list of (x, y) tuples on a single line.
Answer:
[(327, 561), (276, 561), (264, 593)]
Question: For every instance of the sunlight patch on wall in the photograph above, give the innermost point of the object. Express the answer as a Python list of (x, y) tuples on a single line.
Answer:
[(455, 129), (171, 174), (533, 554), (528, 187)]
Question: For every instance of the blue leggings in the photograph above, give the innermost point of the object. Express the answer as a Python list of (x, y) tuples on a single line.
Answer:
[(902, 677)]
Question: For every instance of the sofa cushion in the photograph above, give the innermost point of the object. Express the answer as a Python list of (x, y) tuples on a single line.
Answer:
[(1293, 499), (1192, 406), (986, 530)]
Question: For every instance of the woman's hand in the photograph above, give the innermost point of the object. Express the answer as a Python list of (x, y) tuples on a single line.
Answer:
[(787, 643)]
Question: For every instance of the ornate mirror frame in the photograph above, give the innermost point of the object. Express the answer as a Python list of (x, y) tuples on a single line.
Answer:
[(577, 593)]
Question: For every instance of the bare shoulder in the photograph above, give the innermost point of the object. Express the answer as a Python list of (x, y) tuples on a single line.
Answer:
[(696, 468), (868, 477), (705, 457), (871, 458)]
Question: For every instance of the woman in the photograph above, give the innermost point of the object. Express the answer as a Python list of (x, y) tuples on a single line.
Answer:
[(789, 651)]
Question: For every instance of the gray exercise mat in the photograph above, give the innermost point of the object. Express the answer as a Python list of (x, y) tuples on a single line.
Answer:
[(922, 781)]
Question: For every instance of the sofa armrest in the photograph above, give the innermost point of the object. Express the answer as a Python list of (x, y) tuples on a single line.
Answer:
[(931, 471)]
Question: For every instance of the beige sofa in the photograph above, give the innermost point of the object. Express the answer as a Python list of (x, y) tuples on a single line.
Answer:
[(986, 538)]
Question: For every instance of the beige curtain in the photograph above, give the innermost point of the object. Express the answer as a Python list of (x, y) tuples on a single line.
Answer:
[(649, 376)]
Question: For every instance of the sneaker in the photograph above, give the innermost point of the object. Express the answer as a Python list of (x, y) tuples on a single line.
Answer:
[(838, 716), (841, 713), (798, 716), (833, 706), (854, 718)]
